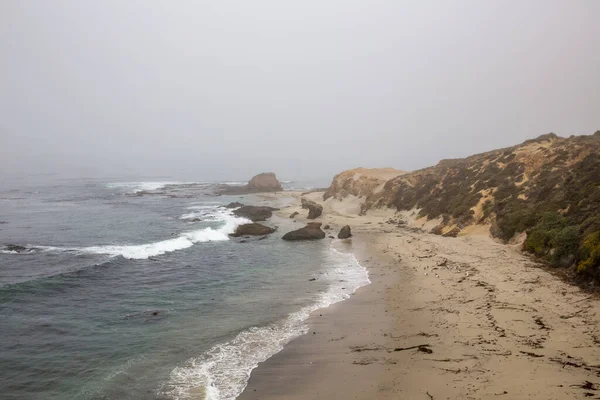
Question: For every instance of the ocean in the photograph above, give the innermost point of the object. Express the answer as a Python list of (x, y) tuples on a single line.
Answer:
[(134, 290)]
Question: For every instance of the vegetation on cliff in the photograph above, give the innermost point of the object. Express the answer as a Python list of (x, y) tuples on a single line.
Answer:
[(547, 187)]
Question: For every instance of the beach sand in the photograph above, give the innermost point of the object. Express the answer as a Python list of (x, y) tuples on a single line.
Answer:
[(491, 323)]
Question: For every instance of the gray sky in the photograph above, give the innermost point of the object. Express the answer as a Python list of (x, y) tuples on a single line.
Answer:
[(226, 89)]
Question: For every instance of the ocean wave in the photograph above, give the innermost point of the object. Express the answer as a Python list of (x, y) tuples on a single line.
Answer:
[(207, 212), (223, 371), (234, 183), (183, 241), (135, 187), (35, 282)]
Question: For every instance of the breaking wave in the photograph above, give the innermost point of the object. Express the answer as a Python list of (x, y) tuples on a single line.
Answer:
[(183, 241), (222, 372), (135, 187)]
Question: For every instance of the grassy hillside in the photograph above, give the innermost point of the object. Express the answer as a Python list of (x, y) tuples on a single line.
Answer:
[(547, 187)]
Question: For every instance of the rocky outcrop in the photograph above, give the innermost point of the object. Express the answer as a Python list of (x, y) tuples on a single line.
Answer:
[(360, 182), (15, 247), (235, 204), (311, 231), (265, 182), (345, 232), (255, 213), (314, 209), (253, 229)]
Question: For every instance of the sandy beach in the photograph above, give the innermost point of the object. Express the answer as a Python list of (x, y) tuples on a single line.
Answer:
[(444, 318)]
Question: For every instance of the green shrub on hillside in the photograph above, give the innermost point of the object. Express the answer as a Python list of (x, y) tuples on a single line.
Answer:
[(565, 244), (590, 255), (512, 222)]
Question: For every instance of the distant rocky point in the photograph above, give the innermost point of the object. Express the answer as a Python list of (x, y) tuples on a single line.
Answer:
[(265, 182)]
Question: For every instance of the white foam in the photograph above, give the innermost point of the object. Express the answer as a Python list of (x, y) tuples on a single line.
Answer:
[(206, 212), (234, 183), (135, 187), (183, 241), (224, 370), (8, 252)]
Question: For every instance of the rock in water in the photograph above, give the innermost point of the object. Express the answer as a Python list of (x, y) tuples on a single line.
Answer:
[(265, 182), (15, 247), (311, 231), (326, 227), (294, 214), (235, 204), (253, 229), (345, 232), (255, 213), (314, 210)]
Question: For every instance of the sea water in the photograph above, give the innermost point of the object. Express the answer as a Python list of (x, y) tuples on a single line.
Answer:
[(134, 290)]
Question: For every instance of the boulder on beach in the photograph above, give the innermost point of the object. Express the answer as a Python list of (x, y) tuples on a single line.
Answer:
[(265, 182), (311, 231), (255, 213), (314, 209), (345, 232), (252, 229)]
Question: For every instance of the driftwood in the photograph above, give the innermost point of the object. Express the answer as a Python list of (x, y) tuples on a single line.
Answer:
[(421, 347)]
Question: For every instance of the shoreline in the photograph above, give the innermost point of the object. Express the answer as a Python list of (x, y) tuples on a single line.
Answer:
[(310, 357), (496, 325)]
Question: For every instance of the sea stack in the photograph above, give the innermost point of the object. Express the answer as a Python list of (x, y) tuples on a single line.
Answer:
[(264, 182)]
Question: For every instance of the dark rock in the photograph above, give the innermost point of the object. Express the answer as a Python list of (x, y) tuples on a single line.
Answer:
[(194, 220), (235, 204), (331, 237), (294, 214), (453, 233), (311, 231), (345, 232), (312, 279), (253, 229), (314, 209), (3, 222), (265, 182), (437, 230), (326, 227), (255, 213), (15, 247)]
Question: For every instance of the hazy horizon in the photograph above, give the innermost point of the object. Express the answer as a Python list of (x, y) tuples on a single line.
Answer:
[(195, 90)]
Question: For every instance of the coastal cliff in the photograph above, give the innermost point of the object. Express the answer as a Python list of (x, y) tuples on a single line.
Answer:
[(544, 191)]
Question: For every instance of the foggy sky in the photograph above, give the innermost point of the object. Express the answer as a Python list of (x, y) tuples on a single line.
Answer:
[(226, 89)]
